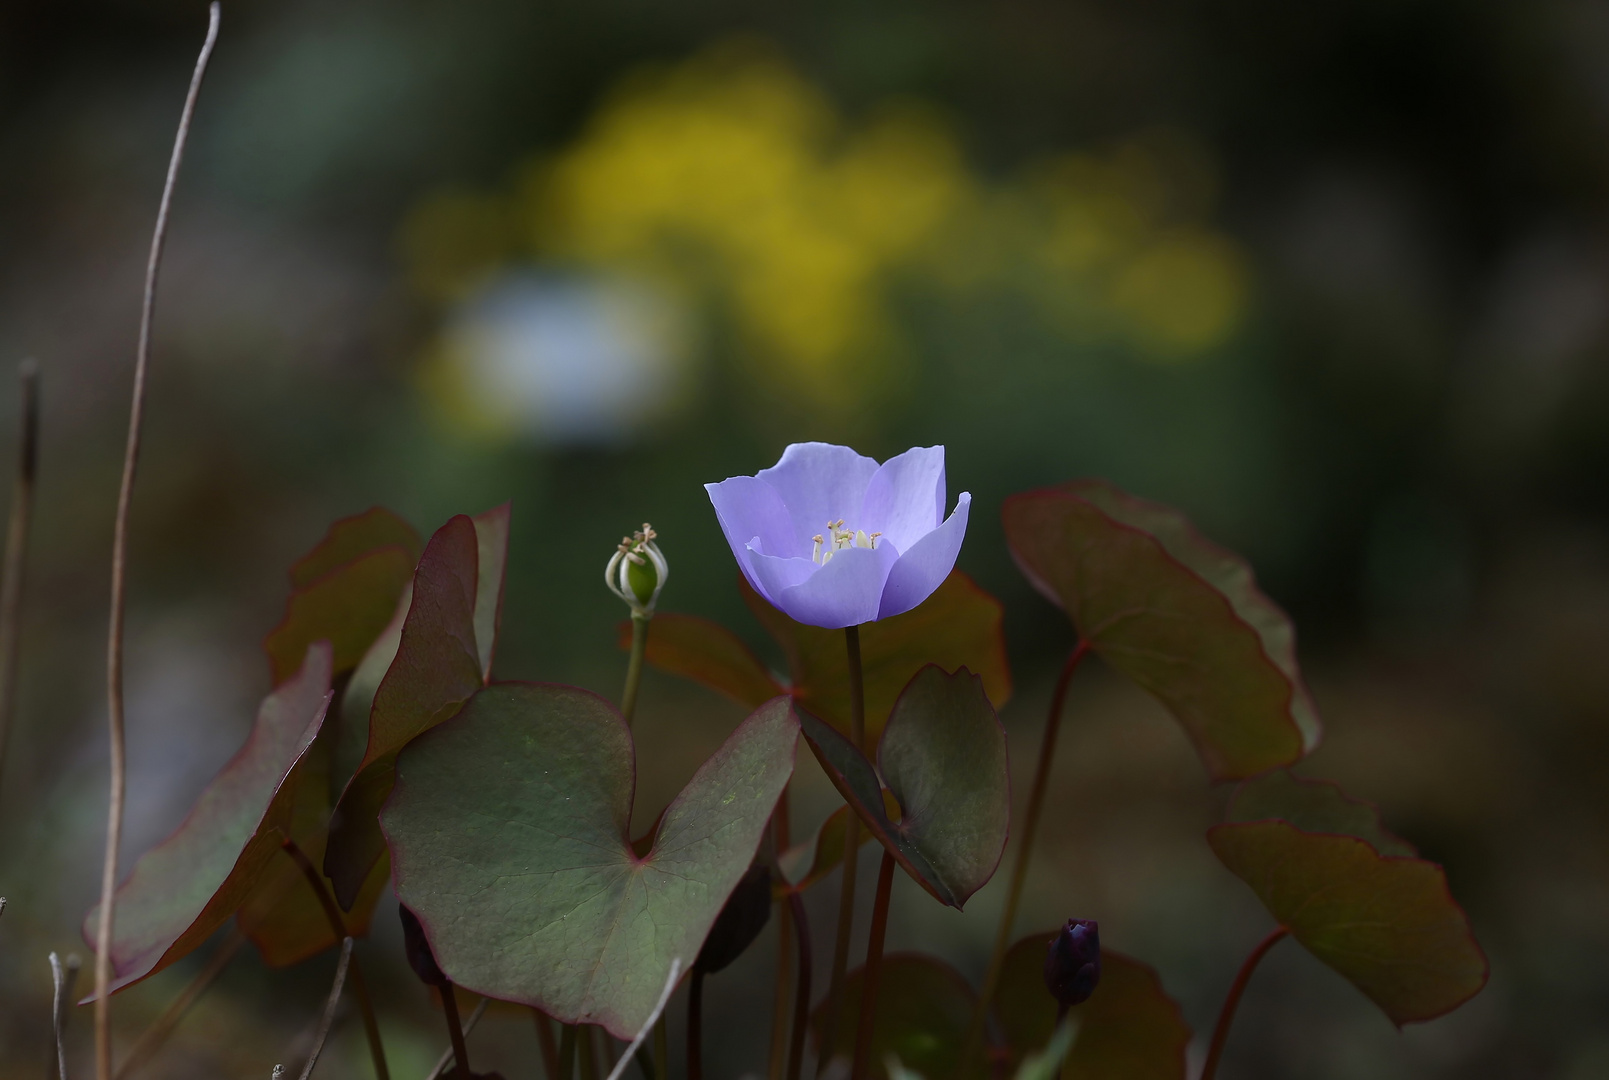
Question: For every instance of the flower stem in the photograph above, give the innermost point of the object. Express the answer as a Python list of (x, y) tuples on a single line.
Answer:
[(846, 896), (1025, 847), (455, 1031), (801, 997), (639, 645), (566, 1052), (695, 1026), (114, 633), (360, 988), (1226, 1016), (873, 971)]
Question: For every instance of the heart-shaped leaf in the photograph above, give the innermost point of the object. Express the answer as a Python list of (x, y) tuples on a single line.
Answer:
[(1386, 923), (805, 864), (1128, 1028), (923, 1009), (351, 538), (508, 834), (1180, 616), (186, 887), (438, 665), (943, 754), (1315, 806), (707, 653)]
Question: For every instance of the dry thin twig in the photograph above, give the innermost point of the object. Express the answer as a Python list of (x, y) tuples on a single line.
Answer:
[(114, 636), (469, 1025), (630, 1054), (63, 976), (146, 1046), (328, 1019), (22, 506)]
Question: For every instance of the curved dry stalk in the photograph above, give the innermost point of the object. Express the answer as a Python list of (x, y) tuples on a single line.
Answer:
[(146, 1046), (22, 506), (328, 1019), (650, 1024), (62, 976), (469, 1026), (114, 636)]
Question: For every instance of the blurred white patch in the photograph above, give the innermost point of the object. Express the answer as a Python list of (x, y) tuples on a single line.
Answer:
[(567, 359)]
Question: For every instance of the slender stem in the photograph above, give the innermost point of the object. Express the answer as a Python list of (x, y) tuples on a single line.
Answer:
[(22, 506), (846, 895), (328, 1018), (146, 1046), (801, 997), (1226, 1015), (469, 1028), (1025, 848), (114, 635), (567, 1052), (662, 1047), (455, 1031), (873, 971), (550, 1047), (695, 1026), (584, 1048), (777, 1058), (360, 987), (639, 645), (63, 976)]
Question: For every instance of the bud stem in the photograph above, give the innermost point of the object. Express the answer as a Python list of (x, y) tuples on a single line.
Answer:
[(874, 970), (639, 645), (1025, 847), (1226, 1016), (846, 897)]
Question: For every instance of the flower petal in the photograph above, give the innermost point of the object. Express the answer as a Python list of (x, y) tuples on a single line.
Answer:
[(905, 497), (845, 592), (772, 576), (925, 566), (817, 482), (748, 507)]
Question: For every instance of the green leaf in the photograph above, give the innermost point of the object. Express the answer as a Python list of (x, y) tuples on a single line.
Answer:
[(438, 665), (508, 834), (186, 887), (805, 864), (958, 626), (1178, 615), (350, 538), (923, 1009), (1388, 924), (1128, 1028), (944, 756), (707, 653), (1315, 806)]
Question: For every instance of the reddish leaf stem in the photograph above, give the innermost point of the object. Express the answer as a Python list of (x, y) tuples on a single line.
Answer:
[(327, 1020), (874, 969), (801, 997), (157, 1034), (22, 505), (777, 1057), (360, 987), (114, 634), (455, 1031), (1226, 1016), (695, 1026), (846, 895), (550, 1048), (567, 1052), (1025, 847)]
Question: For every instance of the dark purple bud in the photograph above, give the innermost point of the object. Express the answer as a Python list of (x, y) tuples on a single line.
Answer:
[(1073, 964), (746, 912), (420, 958)]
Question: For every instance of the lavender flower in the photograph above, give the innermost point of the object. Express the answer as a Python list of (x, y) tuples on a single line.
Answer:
[(834, 539)]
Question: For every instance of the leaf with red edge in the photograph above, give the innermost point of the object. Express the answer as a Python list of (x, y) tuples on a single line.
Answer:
[(944, 757), (707, 653), (923, 1009), (1386, 923), (958, 626), (1178, 615), (1129, 1027), (351, 538), (508, 834), (805, 864), (348, 607), (439, 664), (1313, 806), (186, 887)]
